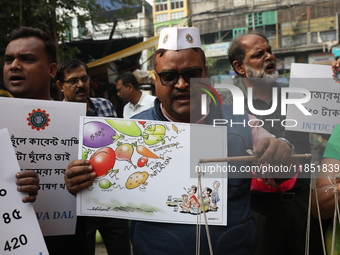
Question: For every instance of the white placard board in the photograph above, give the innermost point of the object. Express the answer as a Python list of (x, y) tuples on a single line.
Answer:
[(20, 232), (155, 165), (44, 135), (324, 104)]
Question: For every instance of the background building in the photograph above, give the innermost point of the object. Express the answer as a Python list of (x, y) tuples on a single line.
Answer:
[(118, 29), (299, 31), (169, 13)]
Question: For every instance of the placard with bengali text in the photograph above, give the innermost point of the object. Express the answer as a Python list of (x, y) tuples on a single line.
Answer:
[(20, 232), (44, 135), (324, 105)]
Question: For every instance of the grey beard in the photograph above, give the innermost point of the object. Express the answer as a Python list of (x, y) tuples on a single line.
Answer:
[(260, 76)]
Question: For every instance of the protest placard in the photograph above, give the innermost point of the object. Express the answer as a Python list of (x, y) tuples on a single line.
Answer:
[(20, 232), (148, 170), (44, 135), (324, 103)]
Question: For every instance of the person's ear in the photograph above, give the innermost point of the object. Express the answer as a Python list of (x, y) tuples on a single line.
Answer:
[(239, 68), (59, 85), (53, 70), (155, 75), (129, 87)]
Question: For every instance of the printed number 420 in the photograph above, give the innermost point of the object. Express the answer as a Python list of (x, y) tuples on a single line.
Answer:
[(15, 243)]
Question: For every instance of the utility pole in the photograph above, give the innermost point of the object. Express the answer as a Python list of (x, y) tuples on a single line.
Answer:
[(253, 15)]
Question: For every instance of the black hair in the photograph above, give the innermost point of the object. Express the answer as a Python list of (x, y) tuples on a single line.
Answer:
[(67, 66), (128, 77), (24, 32)]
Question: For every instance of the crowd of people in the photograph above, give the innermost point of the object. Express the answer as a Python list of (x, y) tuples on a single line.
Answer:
[(258, 222)]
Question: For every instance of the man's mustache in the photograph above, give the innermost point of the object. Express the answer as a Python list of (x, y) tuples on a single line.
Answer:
[(80, 90), (269, 62)]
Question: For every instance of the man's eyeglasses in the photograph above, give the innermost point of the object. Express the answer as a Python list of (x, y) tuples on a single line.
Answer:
[(75, 81), (171, 78)]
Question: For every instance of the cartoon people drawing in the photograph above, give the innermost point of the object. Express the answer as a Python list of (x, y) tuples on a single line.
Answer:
[(195, 203), (206, 195), (190, 205), (214, 196), (185, 199)]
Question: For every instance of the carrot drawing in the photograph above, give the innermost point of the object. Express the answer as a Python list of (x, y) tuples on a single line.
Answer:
[(146, 152)]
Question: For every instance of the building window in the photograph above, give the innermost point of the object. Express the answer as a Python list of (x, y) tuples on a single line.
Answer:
[(162, 17), (325, 36), (261, 18), (161, 5), (81, 28), (176, 4), (68, 30), (177, 15), (255, 19), (208, 38), (239, 31), (288, 41), (301, 39)]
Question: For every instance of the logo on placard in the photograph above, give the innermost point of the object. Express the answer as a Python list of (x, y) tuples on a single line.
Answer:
[(38, 119)]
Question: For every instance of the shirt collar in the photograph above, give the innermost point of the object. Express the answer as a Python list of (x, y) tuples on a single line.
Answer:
[(169, 119), (92, 106)]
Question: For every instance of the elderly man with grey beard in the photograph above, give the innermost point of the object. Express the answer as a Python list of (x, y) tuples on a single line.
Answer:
[(280, 215)]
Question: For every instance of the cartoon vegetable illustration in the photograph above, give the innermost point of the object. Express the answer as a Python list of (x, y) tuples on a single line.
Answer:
[(175, 128), (85, 153), (103, 160), (142, 150), (142, 123), (124, 152), (98, 134), (153, 134), (142, 161), (127, 127), (136, 179), (105, 183), (166, 146)]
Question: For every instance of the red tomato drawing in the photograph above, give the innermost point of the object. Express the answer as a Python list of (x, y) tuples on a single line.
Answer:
[(103, 160), (142, 161), (142, 123)]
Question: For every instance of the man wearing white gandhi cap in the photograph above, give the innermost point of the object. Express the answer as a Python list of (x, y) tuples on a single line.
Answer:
[(173, 78), (178, 60)]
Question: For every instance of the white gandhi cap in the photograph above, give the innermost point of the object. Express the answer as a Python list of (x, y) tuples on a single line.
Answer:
[(179, 38)]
